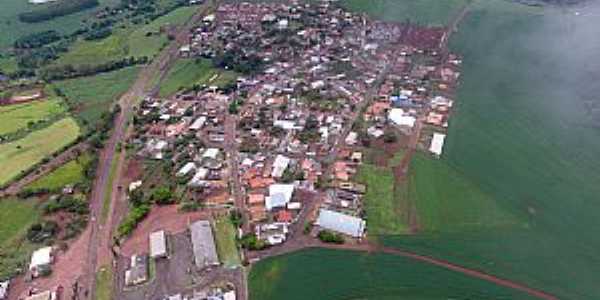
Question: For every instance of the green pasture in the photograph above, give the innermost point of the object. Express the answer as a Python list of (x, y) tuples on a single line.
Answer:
[(94, 95), (18, 156), (18, 116), (423, 12), (339, 275), (70, 173)]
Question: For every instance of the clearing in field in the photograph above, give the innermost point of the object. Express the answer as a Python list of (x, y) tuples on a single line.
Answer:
[(20, 116), (70, 173), (19, 156), (189, 72), (336, 275), (94, 95), (526, 136), (423, 12), (227, 249)]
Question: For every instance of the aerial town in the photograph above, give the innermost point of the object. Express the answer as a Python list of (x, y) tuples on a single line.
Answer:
[(276, 148)]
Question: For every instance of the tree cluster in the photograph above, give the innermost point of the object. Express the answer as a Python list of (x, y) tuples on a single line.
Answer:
[(56, 9)]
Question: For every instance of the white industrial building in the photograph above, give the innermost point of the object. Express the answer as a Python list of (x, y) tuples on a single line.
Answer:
[(203, 244), (341, 223), (279, 166), (279, 195), (158, 244), (437, 143)]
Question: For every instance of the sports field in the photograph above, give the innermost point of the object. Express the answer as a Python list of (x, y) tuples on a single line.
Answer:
[(424, 12), (69, 173), (18, 116), (525, 133), (18, 156), (337, 275), (94, 95)]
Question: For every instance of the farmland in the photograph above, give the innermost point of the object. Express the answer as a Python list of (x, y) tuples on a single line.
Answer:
[(526, 137), (331, 274), (13, 29), (19, 116), (424, 12), (18, 156), (95, 94), (133, 40), (69, 173), (187, 72)]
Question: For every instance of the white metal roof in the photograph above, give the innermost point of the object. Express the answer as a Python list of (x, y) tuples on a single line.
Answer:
[(41, 257), (279, 195), (158, 244), (341, 223), (397, 116), (437, 143), (203, 244), (281, 163)]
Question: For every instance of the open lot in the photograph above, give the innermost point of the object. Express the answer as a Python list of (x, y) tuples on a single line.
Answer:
[(68, 174), (18, 156), (94, 95), (188, 72), (333, 274), (225, 235), (384, 213), (424, 12), (527, 137), (19, 116), (17, 216)]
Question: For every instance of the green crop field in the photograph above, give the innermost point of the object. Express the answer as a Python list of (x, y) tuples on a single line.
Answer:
[(133, 40), (69, 173), (13, 29), (225, 235), (447, 201), (336, 275), (18, 156), (95, 94), (525, 134), (187, 72), (384, 214), (18, 116), (424, 12)]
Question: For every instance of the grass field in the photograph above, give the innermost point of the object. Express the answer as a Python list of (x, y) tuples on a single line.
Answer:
[(68, 174), (526, 135), (384, 213), (106, 202), (8, 64), (104, 283), (95, 94), (140, 44), (15, 251), (337, 275), (187, 72), (18, 156), (17, 117), (424, 12), (13, 29), (225, 235)]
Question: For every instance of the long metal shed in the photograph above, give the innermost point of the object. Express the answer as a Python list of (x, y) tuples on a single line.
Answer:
[(158, 244), (203, 244)]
